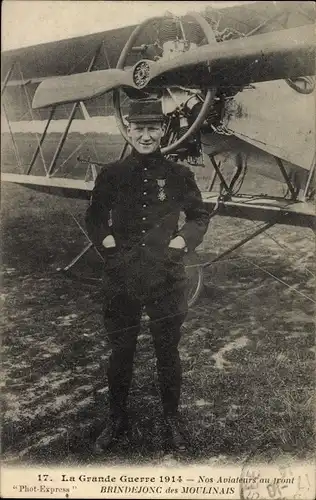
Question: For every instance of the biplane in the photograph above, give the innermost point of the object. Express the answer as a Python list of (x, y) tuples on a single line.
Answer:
[(238, 91)]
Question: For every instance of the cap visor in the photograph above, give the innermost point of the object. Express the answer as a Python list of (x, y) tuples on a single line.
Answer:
[(145, 118)]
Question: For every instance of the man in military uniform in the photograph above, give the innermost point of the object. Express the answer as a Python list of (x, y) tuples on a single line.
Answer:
[(133, 221)]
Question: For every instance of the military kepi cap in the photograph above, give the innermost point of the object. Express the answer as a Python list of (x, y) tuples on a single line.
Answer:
[(145, 110)]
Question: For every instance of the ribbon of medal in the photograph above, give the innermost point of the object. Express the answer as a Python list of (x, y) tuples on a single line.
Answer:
[(161, 193)]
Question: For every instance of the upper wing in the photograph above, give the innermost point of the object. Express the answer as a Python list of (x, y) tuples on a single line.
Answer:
[(72, 55), (270, 56), (67, 56), (281, 54)]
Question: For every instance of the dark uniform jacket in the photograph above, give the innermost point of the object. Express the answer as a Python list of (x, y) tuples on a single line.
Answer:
[(138, 200)]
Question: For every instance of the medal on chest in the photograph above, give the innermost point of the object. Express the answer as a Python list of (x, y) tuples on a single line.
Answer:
[(161, 192)]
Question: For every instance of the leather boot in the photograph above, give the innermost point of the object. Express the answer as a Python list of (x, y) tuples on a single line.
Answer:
[(175, 432), (115, 430)]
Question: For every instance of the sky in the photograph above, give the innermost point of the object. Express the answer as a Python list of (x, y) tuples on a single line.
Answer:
[(30, 22)]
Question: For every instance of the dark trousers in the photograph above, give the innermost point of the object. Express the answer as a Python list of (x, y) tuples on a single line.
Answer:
[(122, 315)]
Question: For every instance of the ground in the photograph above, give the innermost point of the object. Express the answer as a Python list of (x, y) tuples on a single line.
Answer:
[(247, 350)]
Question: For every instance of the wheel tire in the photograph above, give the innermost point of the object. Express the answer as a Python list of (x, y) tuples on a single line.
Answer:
[(195, 276)]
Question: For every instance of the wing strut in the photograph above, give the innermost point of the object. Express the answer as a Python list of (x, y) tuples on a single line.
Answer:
[(40, 143), (30, 110), (67, 269), (245, 240), (7, 78), (220, 175), (15, 147), (40, 140), (70, 119), (3, 88), (287, 179)]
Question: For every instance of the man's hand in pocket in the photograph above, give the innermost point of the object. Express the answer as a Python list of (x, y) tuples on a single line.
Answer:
[(109, 242), (178, 242)]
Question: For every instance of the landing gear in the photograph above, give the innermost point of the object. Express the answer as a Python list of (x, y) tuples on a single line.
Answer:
[(195, 275), (194, 272)]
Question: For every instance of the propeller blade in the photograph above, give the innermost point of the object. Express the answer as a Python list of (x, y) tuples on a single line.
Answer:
[(80, 86), (283, 54), (275, 55)]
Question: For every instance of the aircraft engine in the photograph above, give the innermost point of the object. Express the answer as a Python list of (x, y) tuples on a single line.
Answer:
[(185, 109)]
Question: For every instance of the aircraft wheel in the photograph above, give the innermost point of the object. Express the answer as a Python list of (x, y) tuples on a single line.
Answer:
[(195, 275)]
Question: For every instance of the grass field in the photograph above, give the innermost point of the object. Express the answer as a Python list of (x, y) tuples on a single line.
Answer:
[(248, 346)]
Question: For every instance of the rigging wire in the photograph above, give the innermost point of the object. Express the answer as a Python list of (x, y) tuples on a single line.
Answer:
[(285, 247), (291, 287), (271, 237), (70, 156), (272, 275)]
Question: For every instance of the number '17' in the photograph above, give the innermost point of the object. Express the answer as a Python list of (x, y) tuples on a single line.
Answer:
[(42, 477)]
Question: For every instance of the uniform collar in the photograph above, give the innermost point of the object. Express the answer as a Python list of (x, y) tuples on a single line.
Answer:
[(155, 157), (155, 162)]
